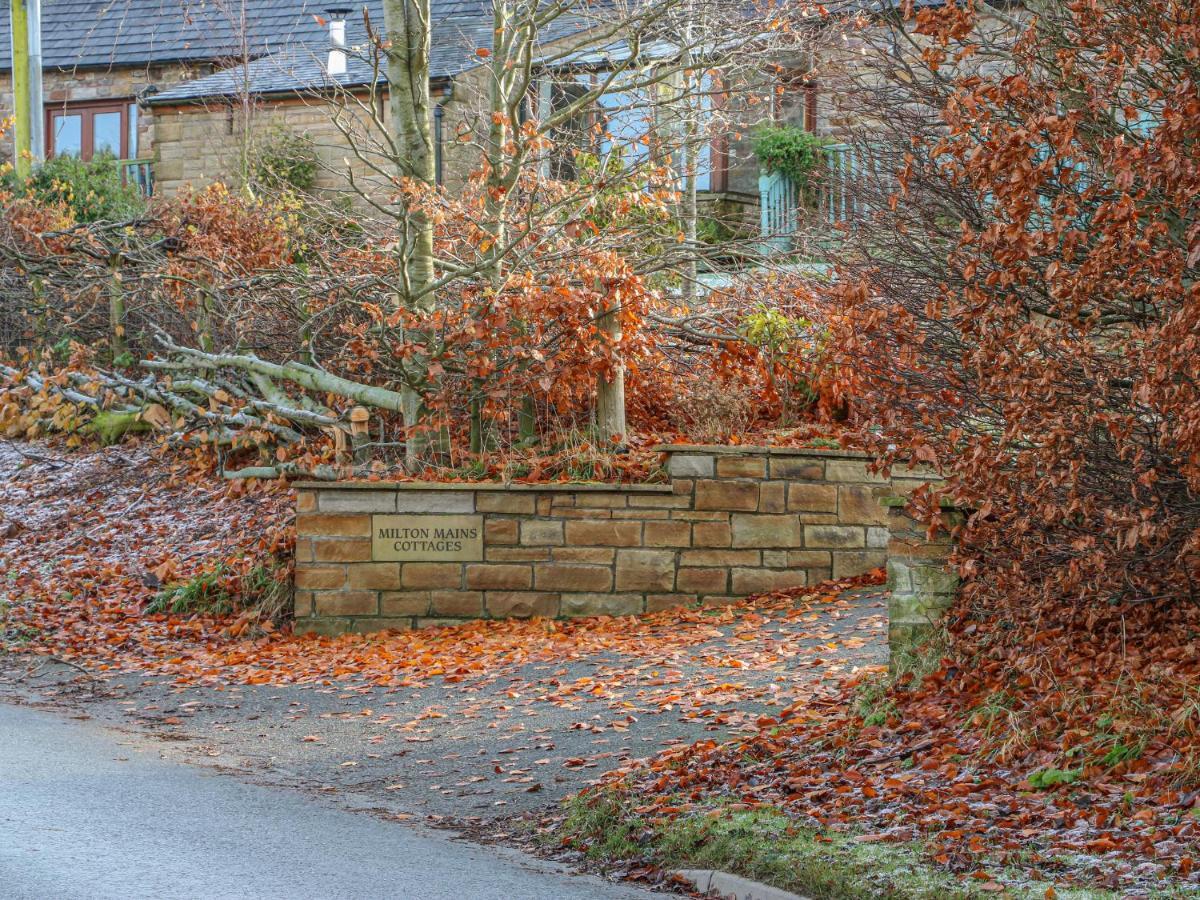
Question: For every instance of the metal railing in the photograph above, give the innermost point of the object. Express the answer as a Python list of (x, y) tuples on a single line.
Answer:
[(833, 200), (138, 172), (842, 165)]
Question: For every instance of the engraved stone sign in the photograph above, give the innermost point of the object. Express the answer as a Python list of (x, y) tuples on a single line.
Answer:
[(434, 538)]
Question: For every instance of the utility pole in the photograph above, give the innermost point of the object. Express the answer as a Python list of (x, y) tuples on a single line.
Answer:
[(25, 24)]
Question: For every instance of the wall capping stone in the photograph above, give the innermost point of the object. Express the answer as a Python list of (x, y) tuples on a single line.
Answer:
[(738, 450), (512, 486)]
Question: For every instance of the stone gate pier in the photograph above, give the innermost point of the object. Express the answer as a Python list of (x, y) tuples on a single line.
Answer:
[(724, 523)]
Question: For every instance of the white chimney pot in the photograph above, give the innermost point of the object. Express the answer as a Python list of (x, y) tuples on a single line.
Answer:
[(337, 49)]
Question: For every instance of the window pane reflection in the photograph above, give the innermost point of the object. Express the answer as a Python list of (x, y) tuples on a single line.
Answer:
[(133, 129), (68, 135), (106, 133)]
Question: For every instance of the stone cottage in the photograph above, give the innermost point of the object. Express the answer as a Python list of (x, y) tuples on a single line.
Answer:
[(179, 89), (331, 88), (103, 58)]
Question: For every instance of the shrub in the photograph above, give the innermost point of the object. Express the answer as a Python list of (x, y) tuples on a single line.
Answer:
[(714, 231), (93, 191), (1025, 314), (224, 589), (283, 160), (206, 594), (713, 411)]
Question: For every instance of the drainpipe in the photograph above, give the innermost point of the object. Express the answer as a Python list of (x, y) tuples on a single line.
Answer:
[(37, 117), (337, 40), (438, 112)]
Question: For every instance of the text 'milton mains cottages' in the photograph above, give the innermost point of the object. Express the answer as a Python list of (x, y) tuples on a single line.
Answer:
[(434, 538)]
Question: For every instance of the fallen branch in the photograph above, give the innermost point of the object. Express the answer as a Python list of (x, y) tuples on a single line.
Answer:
[(282, 470), (306, 376)]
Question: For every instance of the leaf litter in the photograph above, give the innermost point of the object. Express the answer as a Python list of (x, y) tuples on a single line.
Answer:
[(102, 532), (89, 539)]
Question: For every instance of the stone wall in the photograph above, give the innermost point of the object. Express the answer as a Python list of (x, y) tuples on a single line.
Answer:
[(729, 522), (199, 143), (921, 583)]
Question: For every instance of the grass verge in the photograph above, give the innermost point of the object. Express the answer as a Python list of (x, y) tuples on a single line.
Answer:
[(765, 845)]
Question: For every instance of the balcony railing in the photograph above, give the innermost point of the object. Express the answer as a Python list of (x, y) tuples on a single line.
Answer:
[(843, 165), (780, 208), (834, 201), (138, 172)]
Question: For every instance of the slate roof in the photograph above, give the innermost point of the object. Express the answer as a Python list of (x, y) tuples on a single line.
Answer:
[(460, 30), (120, 33), (116, 33), (288, 44)]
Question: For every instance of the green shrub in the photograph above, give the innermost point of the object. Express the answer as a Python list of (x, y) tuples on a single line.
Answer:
[(93, 190), (1051, 777), (714, 231), (284, 160), (220, 592), (775, 333)]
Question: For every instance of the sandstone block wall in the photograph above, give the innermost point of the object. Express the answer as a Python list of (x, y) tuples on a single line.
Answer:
[(730, 522), (921, 583), (198, 143)]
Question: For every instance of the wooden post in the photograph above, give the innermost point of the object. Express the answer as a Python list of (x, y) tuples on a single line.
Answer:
[(33, 31), (360, 434), (22, 119)]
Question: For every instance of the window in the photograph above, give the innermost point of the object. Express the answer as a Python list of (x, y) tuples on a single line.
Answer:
[(621, 125), (89, 130), (795, 101), (710, 162), (626, 119)]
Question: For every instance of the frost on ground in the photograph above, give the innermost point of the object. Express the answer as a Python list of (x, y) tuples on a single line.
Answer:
[(470, 721)]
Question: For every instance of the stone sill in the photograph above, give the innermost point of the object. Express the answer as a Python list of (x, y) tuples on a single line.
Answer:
[(526, 487), (732, 450)]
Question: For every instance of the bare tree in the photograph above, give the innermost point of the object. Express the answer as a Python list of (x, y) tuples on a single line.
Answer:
[(588, 130)]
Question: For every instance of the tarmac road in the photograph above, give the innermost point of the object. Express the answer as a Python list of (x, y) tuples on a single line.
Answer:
[(89, 813)]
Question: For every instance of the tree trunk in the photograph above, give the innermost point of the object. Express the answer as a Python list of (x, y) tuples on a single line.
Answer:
[(693, 104), (407, 23), (610, 388), (496, 201), (690, 217), (527, 420), (410, 106)]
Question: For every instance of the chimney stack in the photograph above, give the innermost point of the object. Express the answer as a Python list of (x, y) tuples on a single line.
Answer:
[(337, 40)]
